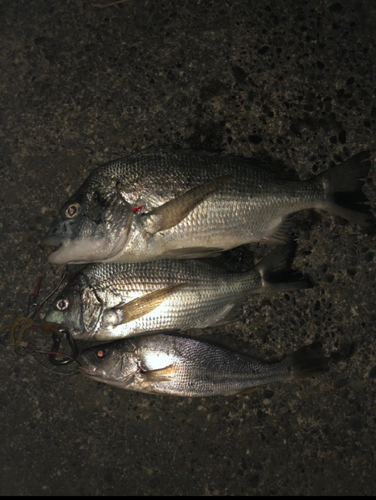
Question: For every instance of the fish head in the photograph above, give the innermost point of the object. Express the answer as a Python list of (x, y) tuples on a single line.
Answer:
[(114, 363), (93, 225), (78, 308)]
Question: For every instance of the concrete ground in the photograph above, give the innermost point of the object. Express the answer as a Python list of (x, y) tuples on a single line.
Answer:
[(284, 81)]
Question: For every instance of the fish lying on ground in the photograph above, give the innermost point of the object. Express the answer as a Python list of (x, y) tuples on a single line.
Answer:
[(160, 204), (182, 366), (108, 301)]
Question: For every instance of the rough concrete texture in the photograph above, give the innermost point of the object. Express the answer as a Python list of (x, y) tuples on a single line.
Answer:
[(292, 82)]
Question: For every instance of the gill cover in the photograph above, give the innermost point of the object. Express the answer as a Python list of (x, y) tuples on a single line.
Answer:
[(93, 225), (92, 307)]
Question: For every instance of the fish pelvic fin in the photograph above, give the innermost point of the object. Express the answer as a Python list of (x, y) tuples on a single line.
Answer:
[(343, 185), (174, 211), (276, 272), (141, 306), (306, 362)]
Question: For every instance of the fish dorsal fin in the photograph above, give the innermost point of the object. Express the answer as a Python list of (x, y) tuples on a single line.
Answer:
[(161, 375), (140, 306), (174, 211)]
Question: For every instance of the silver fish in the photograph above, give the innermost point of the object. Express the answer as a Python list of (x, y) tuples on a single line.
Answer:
[(183, 366), (109, 301), (179, 204)]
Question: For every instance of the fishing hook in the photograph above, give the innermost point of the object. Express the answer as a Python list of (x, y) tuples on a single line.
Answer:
[(55, 349)]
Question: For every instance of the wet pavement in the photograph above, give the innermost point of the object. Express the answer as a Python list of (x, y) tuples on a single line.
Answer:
[(295, 85)]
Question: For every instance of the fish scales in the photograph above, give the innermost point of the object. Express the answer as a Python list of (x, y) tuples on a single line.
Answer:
[(106, 301), (168, 204), (182, 366), (160, 183), (218, 370), (125, 282)]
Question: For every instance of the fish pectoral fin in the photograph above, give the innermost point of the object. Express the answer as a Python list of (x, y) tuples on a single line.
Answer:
[(174, 211), (140, 306), (161, 375), (249, 390)]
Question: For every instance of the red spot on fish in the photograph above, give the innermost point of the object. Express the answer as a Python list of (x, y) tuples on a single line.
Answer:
[(137, 209), (100, 354)]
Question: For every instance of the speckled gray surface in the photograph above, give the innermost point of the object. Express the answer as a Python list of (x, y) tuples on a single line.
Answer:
[(81, 85)]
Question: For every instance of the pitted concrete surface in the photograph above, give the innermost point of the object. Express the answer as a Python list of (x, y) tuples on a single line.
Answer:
[(292, 83)]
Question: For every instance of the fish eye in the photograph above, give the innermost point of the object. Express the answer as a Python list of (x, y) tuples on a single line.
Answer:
[(101, 353), (62, 304), (72, 210)]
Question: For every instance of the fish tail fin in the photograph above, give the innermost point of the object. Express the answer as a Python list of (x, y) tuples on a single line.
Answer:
[(276, 273), (343, 189), (305, 362)]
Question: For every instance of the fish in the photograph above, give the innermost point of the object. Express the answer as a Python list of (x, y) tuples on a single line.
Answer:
[(109, 301), (180, 204), (176, 365)]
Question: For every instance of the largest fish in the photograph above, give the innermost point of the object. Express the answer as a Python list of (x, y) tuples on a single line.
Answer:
[(180, 204)]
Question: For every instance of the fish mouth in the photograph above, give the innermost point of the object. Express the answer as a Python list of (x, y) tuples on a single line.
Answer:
[(53, 241), (71, 251), (61, 245), (90, 370), (87, 369), (89, 249)]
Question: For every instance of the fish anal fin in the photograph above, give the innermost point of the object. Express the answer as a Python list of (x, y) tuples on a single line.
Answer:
[(229, 313), (281, 234), (307, 361), (276, 272), (343, 186), (161, 375), (174, 211), (143, 305)]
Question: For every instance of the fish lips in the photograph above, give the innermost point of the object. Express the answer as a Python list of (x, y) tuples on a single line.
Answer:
[(54, 241), (88, 369), (73, 250), (91, 370)]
